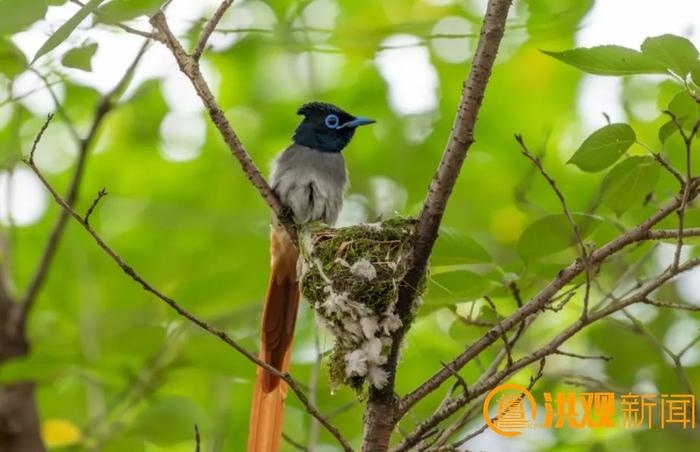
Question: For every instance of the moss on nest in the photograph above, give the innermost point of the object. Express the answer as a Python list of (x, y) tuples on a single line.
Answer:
[(350, 277)]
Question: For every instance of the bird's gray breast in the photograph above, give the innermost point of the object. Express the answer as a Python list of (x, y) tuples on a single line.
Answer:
[(310, 182)]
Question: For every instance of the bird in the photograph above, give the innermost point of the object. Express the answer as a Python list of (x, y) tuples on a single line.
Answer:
[(310, 178)]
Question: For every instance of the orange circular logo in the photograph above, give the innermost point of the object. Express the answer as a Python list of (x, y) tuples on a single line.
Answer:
[(512, 416)]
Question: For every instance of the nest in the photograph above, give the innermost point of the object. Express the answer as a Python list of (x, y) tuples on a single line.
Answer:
[(350, 277)]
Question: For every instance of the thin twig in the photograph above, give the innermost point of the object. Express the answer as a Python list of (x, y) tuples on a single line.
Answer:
[(539, 300), (49, 117), (688, 141), (476, 390), (688, 347), (576, 355), (638, 327), (103, 107), (533, 380), (515, 291), (577, 232), (196, 438), (493, 367), (629, 272), (190, 68), (291, 382), (377, 431), (209, 28), (664, 304), (444, 436), (294, 443), (506, 343), (313, 390), (681, 216), (127, 28), (460, 381), (137, 32), (661, 234), (559, 306), (664, 163), (12, 99), (101, 194)]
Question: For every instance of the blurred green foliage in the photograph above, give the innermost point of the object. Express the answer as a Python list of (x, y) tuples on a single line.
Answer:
[(131, 376)]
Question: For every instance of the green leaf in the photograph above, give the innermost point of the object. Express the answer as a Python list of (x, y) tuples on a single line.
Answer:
[(629, 182), (603, 147), (80, 58), (667, 130), (686, 110), (67, 28), (167, 421), (13, 60), (19, 14), (457, 285), (454, 247), (676, 53), (695, 73), (609, 60), (554, 233), (122, 10), (552, 18)]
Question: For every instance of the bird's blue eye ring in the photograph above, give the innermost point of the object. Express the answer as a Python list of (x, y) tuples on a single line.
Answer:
[(332, 121)]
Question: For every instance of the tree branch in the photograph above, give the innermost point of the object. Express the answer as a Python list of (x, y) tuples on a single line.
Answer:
[(577, 232), (533, 381), (377, 430), (661, 234), (663, 304), (682, 376), (125, 27), (688, 141), (103, 107), (100, 194), (493, 367), (506, 342), (476, 390), (196, 438), (49, 117), (209, 29), (189, 66), (291, 382), (664, 163), (294, 443), (576, 355), (639, 233)]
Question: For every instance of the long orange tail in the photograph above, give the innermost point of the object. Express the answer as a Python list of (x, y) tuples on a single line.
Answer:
[(277, 333)]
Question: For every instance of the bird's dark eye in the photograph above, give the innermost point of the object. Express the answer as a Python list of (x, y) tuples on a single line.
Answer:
[(332, 121)]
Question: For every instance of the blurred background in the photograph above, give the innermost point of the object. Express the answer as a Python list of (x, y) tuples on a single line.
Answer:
[(118, 371)]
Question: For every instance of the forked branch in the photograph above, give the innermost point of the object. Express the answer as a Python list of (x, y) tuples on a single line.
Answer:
[(377, 428), (189, 66), (126, 268)]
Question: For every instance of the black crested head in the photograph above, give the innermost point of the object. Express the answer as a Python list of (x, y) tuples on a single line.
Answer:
[(326, 127)]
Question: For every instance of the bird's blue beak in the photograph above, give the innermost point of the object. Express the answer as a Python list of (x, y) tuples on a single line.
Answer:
[(359, 121)]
